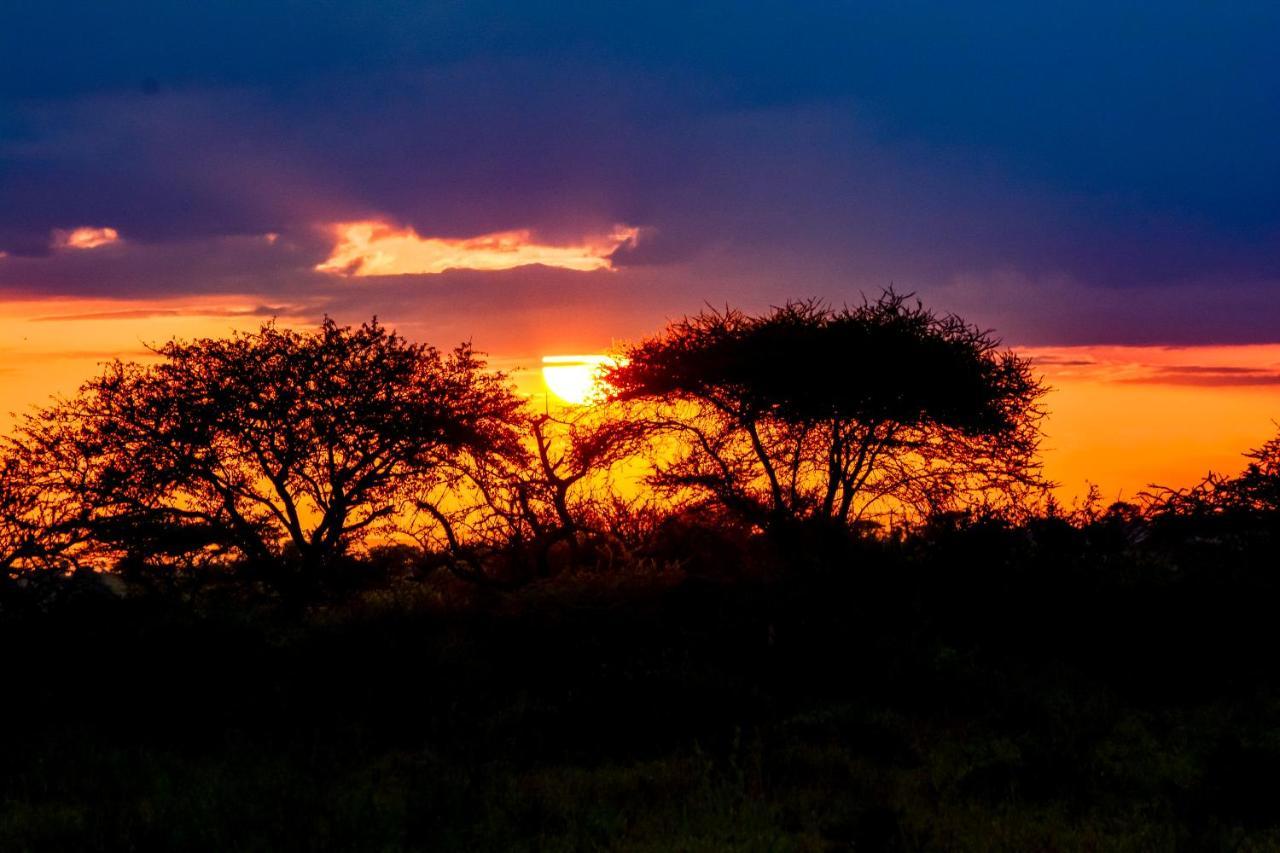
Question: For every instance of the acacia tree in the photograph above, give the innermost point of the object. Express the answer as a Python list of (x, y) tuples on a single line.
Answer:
[(274, 440), (878, 410)]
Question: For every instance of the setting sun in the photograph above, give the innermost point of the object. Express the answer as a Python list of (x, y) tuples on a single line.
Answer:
[(575, 379)]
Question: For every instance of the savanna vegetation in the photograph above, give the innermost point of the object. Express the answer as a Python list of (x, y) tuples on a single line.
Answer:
[(336, 590)]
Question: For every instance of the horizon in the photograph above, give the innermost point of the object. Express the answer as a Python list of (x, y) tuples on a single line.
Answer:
[(1121, 418)]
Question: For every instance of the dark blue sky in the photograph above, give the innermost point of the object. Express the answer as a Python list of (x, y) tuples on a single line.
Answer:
[(1103, 172)]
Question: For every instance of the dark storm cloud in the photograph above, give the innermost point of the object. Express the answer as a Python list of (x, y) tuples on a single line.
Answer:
[(1105, 172)]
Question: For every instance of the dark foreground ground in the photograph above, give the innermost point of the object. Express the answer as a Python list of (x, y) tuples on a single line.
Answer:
[(987, 689)]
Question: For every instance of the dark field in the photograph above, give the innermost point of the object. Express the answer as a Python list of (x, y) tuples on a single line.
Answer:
[(1106, 686)]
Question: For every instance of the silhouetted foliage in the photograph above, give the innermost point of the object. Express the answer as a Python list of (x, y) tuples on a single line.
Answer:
[(1258, 487), (1253, 493), (269, 443), (683, 675), (1057, 682), (855, 414), (279, 448), (556, 490), (43, 512)]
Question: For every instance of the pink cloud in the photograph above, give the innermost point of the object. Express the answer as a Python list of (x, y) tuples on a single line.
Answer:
[(84, 237), (372, 248)]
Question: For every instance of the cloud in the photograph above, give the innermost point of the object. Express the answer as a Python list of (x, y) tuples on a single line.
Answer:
[(1211, 366), (1149, 216), (186, 311), (84, 237), (1212, 376), (374, 248), (1211, 370), (94, 356), (1058, 361)]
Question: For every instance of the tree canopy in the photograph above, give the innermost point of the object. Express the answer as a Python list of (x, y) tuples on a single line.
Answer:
[(808, 410), (269, 442)]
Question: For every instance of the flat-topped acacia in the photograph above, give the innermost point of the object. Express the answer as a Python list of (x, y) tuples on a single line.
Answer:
[(808, 410)]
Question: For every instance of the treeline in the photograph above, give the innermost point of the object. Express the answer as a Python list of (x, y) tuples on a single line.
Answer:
[(284, 454)]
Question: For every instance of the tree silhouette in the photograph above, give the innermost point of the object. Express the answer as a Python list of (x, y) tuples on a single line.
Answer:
[(806, 411), (554, 489), (1258, 487), (1251, 496), (274, 441)]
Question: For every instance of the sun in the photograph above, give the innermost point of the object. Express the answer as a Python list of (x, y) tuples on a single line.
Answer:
[(575, 379)]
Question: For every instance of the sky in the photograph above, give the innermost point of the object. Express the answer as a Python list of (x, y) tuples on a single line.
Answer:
[(1098, 182)]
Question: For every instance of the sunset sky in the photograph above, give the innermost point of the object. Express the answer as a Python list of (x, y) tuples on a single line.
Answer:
[(1100, 183)]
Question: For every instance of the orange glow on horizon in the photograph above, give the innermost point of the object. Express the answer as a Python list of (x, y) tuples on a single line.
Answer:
[(1120, 417), (49, 347), (1126, 418), (84, 237), (375, 248)]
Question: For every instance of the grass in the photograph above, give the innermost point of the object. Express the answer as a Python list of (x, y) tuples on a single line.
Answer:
[(912, 702), (801, 793)]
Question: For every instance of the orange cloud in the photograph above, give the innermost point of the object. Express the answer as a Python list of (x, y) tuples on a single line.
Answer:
[(84, 237), (1207, 365), (376, 248)]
